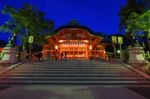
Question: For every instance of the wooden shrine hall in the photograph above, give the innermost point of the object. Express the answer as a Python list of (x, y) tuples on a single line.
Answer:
[(73, 42)]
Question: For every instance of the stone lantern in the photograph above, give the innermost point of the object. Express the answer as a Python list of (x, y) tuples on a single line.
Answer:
[(9, 53)]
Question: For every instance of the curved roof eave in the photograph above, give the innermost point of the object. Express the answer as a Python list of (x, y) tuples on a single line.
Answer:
[(73, 26)]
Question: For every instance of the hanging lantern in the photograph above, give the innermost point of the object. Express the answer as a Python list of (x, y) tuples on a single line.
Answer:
[(120, 40), (114, 39)]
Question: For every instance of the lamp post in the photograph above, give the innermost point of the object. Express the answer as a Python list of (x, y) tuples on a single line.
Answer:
[(30, 41), (114, 41), (120, 42)]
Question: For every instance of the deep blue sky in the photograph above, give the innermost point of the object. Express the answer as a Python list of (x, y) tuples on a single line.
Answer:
[(99, 15)]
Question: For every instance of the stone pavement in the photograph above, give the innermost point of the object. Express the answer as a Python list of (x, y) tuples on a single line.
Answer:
[(68, 92)]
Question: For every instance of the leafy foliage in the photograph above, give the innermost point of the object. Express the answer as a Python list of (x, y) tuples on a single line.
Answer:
[(26, 21), (135, 18), (129, 11)]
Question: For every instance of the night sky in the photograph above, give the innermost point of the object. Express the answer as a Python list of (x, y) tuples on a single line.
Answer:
[(99, 15)]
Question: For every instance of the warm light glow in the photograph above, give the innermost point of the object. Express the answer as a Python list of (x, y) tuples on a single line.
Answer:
[(60, 41), (75, 44), (104, 52), (70, 44), (86, 41), (90, 47), (56, 47), (118, 51)]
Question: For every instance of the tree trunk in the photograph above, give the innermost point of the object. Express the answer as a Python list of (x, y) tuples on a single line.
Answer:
[(149, 44)]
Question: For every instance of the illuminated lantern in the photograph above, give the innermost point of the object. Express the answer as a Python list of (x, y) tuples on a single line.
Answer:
[(56, 47), (90, 47), (120, 40), (114, 39)]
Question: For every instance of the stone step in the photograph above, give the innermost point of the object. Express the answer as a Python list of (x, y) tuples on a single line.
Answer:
[(34, 67), (72, 72), (70, 75), (70, 69), (100, 73), (74, 78), (41, 82), (70, 65), (49, 67), (125, 69)]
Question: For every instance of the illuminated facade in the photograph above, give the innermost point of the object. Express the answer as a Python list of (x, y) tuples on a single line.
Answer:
[(73, 42)]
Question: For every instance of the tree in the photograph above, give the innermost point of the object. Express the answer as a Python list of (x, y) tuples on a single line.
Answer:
[(129, 14), (132, 7), (26, 21), (141, 24), (11, 25)]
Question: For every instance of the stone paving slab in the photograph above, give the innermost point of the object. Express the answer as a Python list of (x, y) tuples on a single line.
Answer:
[(68, 92)]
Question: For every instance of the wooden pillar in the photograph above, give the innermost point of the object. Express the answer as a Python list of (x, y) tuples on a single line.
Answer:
[(78, 50), (87, 57), (95, 53)]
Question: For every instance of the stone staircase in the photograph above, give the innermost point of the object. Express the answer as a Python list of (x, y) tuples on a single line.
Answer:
[(72, 72)]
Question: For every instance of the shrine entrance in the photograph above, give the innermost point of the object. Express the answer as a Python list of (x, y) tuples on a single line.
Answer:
[(73, 42), (74, 49)]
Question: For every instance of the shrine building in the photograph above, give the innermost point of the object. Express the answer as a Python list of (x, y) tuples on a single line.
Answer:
[(74, 42)]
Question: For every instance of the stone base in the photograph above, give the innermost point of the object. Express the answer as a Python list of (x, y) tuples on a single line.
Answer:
[(143, 66), (9, 55), (138, 64), (136, 57), (5, 63)]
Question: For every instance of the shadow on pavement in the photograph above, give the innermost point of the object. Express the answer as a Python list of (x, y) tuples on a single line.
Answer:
[(144, 91)]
